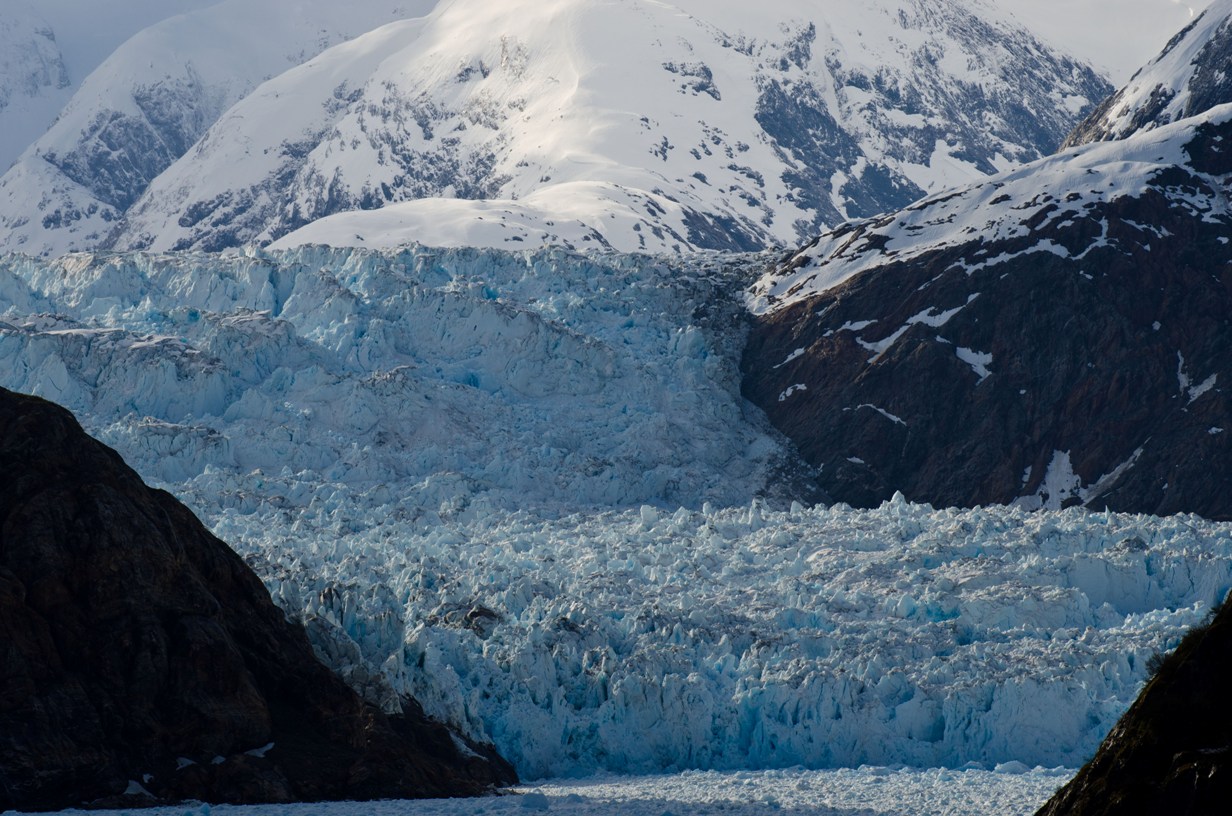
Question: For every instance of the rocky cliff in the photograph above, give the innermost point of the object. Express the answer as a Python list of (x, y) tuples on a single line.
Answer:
[(1054, 336), (1172, 751), (141, 659)]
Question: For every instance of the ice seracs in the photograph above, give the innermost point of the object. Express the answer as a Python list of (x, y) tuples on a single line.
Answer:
[(519, 378), (523, 486)]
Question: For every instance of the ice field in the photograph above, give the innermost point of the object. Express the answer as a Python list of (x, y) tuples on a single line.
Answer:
[(524, 488), (864, 791), (641, 641)]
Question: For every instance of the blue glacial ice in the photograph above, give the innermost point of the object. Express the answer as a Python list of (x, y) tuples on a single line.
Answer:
[(524, 488)]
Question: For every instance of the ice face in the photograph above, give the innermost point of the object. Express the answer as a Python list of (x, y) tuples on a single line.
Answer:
[(746, 638), (523, 487), (434, 378)]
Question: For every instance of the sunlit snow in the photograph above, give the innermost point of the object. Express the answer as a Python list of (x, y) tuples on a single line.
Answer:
[(640, 126), (1017, 204)]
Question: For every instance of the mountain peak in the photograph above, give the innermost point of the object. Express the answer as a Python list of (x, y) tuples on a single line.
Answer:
[(630, 125), (1191, 75)]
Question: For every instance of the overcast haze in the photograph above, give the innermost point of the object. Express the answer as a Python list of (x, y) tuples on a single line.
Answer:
[(1116, 36)]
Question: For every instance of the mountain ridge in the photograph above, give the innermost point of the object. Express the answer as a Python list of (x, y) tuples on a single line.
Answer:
[(1044, 338), (1191, 75), (137, 646)]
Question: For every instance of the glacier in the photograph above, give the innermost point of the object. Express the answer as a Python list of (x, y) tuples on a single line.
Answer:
[(506, 378), (523, 487)]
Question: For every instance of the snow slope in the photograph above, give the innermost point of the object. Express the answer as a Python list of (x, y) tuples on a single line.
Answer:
[(524, 487), (635, 125), (88, 33), (48, 47), (1189, 76), (151, 100), (1016, 204)]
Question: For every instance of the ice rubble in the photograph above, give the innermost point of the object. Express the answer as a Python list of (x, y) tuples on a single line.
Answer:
[(847, 792), (743, 638), (523, 487)]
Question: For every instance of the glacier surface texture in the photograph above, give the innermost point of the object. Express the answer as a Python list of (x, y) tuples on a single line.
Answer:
[(523, 487)]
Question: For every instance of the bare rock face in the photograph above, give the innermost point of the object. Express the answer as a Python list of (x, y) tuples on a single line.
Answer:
[(141, 659), (1172, 751), (1053, 337)]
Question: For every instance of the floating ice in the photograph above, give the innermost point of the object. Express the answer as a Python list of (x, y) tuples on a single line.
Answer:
[(866, 791)]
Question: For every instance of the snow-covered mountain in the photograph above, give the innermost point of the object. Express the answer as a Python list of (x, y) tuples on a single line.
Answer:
[(1191, 75), (1051, 336), (47, 47), (151, 100), (88, 33), (637, 125), (34, 82)]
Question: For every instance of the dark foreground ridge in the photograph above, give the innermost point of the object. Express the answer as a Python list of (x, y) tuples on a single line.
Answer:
[(141, 660), (1172, 751)]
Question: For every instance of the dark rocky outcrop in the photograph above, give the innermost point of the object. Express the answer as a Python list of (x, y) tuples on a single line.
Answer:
[(1058, 337), (137, 651), (1171, 753)]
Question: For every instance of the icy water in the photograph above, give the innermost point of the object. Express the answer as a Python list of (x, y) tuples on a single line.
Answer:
[(868, 791)]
